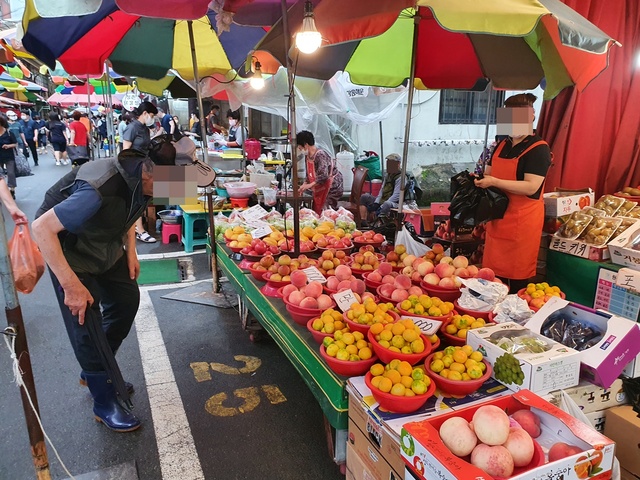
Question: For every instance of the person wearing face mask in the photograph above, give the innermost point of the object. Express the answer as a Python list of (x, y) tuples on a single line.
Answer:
[(58, 138), (30, 129), (323, 178), (237, 133), (137, 136)]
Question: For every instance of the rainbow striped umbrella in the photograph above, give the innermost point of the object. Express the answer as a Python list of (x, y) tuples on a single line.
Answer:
[(135, 45)]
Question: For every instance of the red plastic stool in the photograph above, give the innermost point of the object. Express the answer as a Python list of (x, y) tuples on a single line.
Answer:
[(169, 229)]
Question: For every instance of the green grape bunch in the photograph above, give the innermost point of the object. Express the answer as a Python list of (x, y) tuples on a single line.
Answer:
[(507, 369)]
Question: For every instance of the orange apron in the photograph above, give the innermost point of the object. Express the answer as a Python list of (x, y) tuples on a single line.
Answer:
[(320, 192), (512, 242)]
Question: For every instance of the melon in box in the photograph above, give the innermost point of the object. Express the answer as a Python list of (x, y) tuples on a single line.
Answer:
[(428, 458), (545, 365)]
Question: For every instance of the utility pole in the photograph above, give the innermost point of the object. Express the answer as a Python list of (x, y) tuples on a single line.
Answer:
[(16, 328)]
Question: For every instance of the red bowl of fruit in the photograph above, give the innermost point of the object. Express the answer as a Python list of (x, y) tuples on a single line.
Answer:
[(347, 368), (359, 244), (308, 311), (473, 313), (383, 298), (444, 294), (441, 318), (257, 258), (273, 288), (523, 292), (456, 387), (398, 268), (299, 317), (379, 256), (396, 403), (235, 249), (346, 250), (258, 274), (364, 327), (371, 285), (451, 339), (386, 355), (317, 335)]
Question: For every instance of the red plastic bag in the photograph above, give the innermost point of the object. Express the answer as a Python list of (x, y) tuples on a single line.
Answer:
[(26, 260)]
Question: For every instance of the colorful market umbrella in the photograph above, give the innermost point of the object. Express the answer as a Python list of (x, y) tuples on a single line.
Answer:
[(459, 44), (135, 45)]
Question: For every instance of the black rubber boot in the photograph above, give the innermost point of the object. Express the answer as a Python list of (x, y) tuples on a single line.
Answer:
[(83, 382), (106, 407)]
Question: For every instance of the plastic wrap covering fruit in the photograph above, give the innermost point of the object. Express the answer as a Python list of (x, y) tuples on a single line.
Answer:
[(626, 207), (570, 332), (594, 212), (625, 223), (519, 341), (574, 226), (609, 204), (600, 230)]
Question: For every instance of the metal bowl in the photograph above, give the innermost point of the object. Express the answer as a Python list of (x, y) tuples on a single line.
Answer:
[(170, 216)]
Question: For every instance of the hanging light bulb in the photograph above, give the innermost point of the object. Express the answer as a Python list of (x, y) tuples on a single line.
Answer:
[(308, 39), (257, 80)]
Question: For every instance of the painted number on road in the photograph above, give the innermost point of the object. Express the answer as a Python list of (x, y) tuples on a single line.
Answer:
[(243, 400)]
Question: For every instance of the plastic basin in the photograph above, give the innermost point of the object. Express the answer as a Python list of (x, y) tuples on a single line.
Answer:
[(362, 244), (473, 313), (444, 294), (386, 355), (257, 274), (364, 328), (345, 367), (396, 404), (298, 317), (456, 387), (371, 285), (317, 336), (240, 189)]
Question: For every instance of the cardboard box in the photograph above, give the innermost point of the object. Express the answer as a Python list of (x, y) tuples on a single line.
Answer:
[(623, 425), (440, 211), (620, 253), (624, 474), (580, 249), (603, 362), (597, 419), (425, 454), (593, 398), (632, 370), (554, 369), (384, 442), (559, 203), (364, 461)]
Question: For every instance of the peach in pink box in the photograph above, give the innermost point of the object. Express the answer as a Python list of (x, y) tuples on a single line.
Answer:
[(603, 357), (428, 458)]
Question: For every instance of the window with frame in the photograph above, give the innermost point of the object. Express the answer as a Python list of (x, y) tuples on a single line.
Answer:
[(462, 107)]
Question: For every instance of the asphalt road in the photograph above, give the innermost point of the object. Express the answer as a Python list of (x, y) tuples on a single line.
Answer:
[(261, 423)]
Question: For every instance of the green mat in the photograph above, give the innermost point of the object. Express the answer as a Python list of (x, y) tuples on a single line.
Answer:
[(159, 271)]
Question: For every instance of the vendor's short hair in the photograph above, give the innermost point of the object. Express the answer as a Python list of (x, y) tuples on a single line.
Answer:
[(520, 100), (394, 157), (235, 114), (305, 137)]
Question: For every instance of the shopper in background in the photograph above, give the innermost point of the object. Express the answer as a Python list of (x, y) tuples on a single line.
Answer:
[(7, 143), (15, 127), (122, 125), (30, 129), (518, 167), (389, 195), (323, 178), (41, 124), (58, 138), (136, 136), (78, 138), (84, 230), (213, 121)]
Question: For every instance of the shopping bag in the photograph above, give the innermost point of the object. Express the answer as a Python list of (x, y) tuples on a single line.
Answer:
[(471, 205), (412, 246), (77, 152), (23, 169), (26, 260)]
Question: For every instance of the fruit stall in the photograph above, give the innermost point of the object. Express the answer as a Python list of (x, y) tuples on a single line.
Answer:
[(404, 352)]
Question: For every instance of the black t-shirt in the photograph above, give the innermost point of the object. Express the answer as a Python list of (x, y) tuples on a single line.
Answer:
[(535, 162), (7, 138), (56, 130)]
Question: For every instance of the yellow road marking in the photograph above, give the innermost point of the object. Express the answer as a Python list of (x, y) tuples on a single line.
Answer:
[(251, 400), (251, 365), (200, 371), (273, 393)]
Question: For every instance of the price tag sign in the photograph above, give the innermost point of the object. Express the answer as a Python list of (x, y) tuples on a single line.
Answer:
[(261, 231), (428, 326), (572, 247), (345, 299), (254, 213), (314, 275), (130, 101)]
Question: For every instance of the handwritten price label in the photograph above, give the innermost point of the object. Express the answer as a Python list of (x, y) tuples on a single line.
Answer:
[(262, 229), (314, 275), (254, 213), (345, 299), (428, 326), (572, 247)]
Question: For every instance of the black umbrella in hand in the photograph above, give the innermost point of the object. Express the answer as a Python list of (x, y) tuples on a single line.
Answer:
[(94, 326)]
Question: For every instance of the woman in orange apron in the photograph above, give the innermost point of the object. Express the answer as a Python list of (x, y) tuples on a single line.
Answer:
[(323, 178), (518, 167)]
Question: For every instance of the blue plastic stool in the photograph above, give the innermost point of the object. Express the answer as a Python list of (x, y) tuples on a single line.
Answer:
[(192, 233)]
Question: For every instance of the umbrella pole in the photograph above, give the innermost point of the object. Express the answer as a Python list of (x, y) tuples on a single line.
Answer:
[(205, 154), (407, 126), (292, 132), (90, 153), (486, 125), (16, 328), (381, 149)]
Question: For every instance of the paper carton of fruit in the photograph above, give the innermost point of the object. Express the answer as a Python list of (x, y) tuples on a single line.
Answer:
[(557, 204), (622, 249), (522, 359), (576, 450), (606, 343)]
